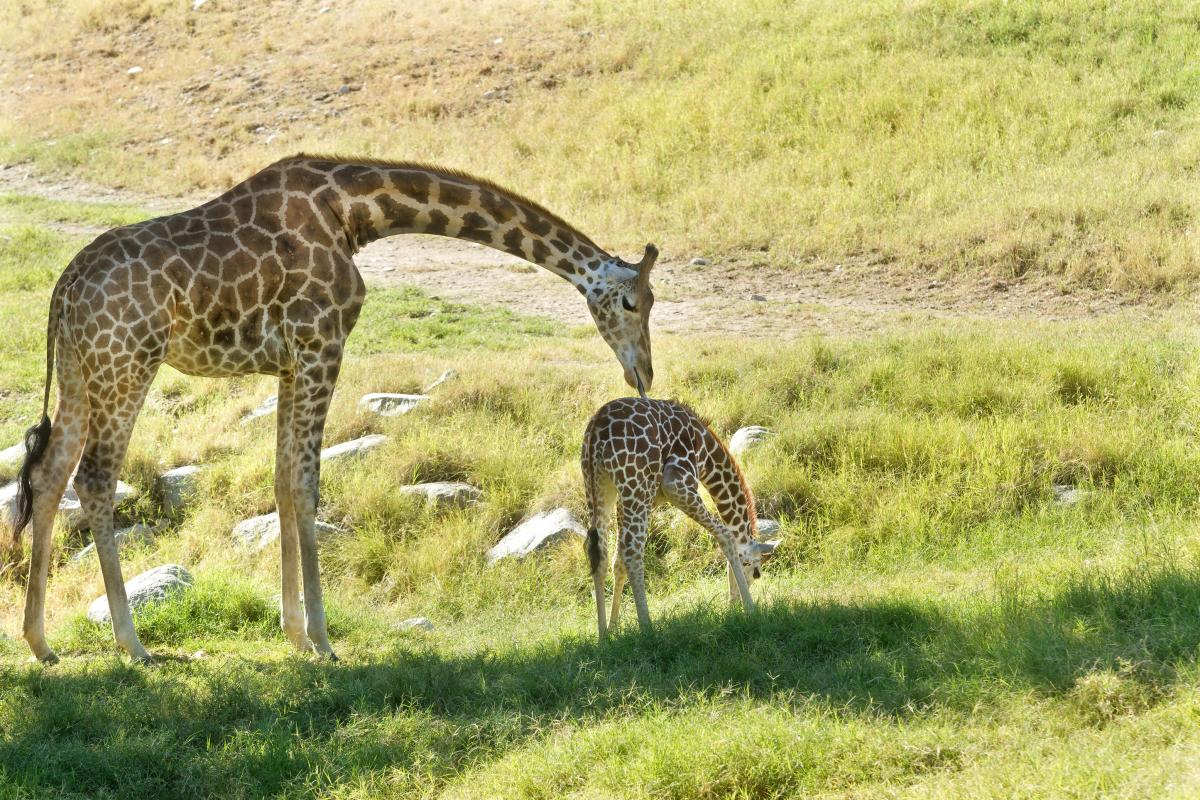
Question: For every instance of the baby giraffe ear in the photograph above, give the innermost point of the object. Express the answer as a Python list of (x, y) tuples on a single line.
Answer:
[(766, 549)]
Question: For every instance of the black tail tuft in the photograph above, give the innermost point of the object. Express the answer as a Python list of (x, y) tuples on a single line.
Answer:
[(592, 546), (36, 440)]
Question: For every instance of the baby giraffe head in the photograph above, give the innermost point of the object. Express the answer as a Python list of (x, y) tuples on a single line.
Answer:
[(620, 304), (753, 554)]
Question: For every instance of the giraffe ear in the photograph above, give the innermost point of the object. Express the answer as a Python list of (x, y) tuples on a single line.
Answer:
[(645, 265), (767, 549)]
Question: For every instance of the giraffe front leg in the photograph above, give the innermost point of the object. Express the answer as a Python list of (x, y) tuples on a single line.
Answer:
[(737, 575), (681, 487), (291, 615), (313, 391)]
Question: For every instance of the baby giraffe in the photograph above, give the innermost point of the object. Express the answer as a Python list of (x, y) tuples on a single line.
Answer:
[(636, 451)]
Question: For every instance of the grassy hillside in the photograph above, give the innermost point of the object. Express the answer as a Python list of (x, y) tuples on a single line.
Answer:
[(937, 623), (1011, 138)]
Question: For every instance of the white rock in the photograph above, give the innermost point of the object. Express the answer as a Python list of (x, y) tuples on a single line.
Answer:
[(354, 447), (11, 457), (72, 510), (448, 375), (152, 586), (263, 531), (441, 495), (423, 623), (535, 533), (178, 486), (196, 4), (390, 405), (747, 437), (268, 407), (767, 527), (134, 71), (1066, 495), (69, 507), (700, 262), (134, 534)]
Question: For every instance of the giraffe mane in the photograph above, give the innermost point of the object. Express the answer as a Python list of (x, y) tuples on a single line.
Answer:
[(747, 495), (459, 174)]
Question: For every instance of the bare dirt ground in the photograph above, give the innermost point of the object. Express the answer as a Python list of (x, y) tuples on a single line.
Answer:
[(731, 297)]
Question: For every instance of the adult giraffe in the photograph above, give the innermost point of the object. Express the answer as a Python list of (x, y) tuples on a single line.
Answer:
[(261, 280)]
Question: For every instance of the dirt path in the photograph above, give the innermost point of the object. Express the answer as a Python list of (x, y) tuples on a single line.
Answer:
[(727, 298)]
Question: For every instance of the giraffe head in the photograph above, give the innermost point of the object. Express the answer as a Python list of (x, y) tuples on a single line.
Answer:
[(620, 304), (754, 554)]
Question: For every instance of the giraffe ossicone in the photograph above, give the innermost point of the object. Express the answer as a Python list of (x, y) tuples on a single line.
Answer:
[(637, 451), (262, 280)]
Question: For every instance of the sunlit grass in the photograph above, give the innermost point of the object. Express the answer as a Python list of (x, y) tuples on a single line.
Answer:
[(1012, 138), (937, 622)]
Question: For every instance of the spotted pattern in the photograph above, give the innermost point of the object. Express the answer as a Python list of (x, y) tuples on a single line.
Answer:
[(262, 280), (638, 451)]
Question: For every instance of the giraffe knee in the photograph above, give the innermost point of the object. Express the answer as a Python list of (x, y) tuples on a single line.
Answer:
[(92, 482), (304, 500)]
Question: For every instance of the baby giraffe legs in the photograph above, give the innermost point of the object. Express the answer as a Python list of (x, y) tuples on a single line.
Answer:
[(633, 516), (681, 488)]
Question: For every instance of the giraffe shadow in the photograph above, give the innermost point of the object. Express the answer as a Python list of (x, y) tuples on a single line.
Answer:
[(122, 730)]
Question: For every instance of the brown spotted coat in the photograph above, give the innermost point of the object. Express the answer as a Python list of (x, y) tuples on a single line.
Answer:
[(262, 280)]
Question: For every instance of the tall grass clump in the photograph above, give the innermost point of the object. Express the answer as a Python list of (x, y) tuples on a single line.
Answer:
[(1011, 137)]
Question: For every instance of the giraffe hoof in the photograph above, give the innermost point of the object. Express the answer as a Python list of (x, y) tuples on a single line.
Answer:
[(144, 660), (302, 644), (49, 660), (325, 654)]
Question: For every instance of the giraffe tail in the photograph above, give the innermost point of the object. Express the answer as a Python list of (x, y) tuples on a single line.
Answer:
[(594, 553), (37, 438), (592, 545)]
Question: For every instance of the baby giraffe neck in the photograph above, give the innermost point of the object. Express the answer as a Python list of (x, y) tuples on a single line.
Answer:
[(723, 479)]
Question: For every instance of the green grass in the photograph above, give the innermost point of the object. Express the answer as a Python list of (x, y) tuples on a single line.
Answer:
[(1010, 137), (935, 624), (34, 209)]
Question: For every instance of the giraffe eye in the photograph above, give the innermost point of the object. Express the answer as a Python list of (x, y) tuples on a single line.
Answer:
[(628, 305)]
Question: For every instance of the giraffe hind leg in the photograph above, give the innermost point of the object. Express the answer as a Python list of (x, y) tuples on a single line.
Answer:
[(618, 567), (49, 481), (596, 547), (110, 426), (634, 513)]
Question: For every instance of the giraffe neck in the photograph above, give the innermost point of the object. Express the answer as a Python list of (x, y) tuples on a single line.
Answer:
[(722, 478), (374, 200)]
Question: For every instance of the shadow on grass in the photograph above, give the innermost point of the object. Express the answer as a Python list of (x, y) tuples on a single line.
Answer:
[(294, 725)]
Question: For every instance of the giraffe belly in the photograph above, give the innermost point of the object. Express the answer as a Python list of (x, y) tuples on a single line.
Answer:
[(200, 351)]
